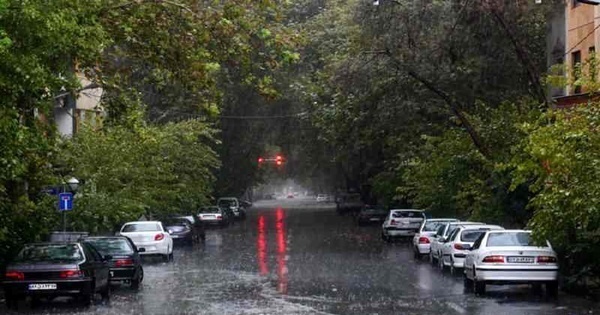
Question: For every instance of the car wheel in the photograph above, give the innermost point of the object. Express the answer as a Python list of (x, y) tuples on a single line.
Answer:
[(166, 257), (468, 283), (135, 283), (479, 287), (441, 262), (552, 289), (431, 259)]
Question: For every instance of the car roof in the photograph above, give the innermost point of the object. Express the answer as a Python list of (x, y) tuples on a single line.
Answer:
[(52, 243), (483, 226), (398, 210), (511, 231), (106, 237), (141, 222), (438, 220), (466, 223)]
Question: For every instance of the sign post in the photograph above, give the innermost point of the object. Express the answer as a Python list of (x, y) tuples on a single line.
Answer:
[(65, 203)]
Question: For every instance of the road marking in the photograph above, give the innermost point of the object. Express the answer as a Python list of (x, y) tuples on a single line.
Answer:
[(457, 308)]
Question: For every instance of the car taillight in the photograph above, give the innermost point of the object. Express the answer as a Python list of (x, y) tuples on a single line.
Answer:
[(219, 217), (159, 237), (14, 275), (546, 259), (460, 246), (71, 274), (494, 259), (123, 262), (423, 240)]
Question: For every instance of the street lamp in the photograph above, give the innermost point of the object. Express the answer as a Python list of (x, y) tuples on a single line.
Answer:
[(73, 184)]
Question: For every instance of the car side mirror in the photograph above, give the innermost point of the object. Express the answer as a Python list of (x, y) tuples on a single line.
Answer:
[(141, 250)]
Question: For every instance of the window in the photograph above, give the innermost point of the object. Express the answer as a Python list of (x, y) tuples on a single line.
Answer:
[(111, 246), (440, 230), (575, 68), (453, 234), (471, 236), (408, 214), (50, 253), (477, 243), (510, 239), (141, 227)]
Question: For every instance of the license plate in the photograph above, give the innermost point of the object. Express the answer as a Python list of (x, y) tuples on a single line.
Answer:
[(528, 260), (42, 286)]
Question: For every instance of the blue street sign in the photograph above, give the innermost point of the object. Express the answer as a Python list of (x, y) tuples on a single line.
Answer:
[(65, 202)]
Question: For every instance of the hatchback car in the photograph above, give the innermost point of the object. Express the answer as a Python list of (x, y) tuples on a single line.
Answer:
[(151, 236), (125, 265), (422, 239), (510, 257), (458, 244), (49, 270), (181, 230), (402, 222)]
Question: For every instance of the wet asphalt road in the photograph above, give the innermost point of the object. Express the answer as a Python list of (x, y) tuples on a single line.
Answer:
[(301, 258)]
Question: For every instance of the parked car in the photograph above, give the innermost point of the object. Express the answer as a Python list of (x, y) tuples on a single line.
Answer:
[(321, 198), (181, 230), (458, 244), (348, 203), (228, 213), (510, 257), (197, 225), (151, 236), (371, 214), (214, 215), (402, 223), (126, 264), (422, 239), (49, 270), (440, 236), (233, 204)]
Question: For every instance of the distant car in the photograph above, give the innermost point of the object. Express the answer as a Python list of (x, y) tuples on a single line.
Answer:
[(181, 230), (422, 239), (234, 205), (321, 198), (371, 214), (228, 213), (126, 264), (402, 223), (459, 243), (74, 269), (214, 215), (440, 236), (510, 257), (151, 236)]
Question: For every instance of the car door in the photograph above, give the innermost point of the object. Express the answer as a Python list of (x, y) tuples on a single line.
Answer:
[(471, 256), (437, 240), (99, 265)]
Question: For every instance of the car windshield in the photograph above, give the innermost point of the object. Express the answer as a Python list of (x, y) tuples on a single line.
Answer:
[(50, 253), (407, 214), (510, 239), (471, 236), (111, 246), (227, 203), (210, 210), (175, 222), (431, 226), (141, 227)]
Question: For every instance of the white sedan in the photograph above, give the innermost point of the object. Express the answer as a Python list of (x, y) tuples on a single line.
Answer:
[(510, 257), (422, 240), (456, 248), (440, 236), (402, 222), (151, 236)]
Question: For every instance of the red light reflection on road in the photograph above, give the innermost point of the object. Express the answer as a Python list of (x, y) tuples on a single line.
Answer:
[(282, 270), (261, 247)]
